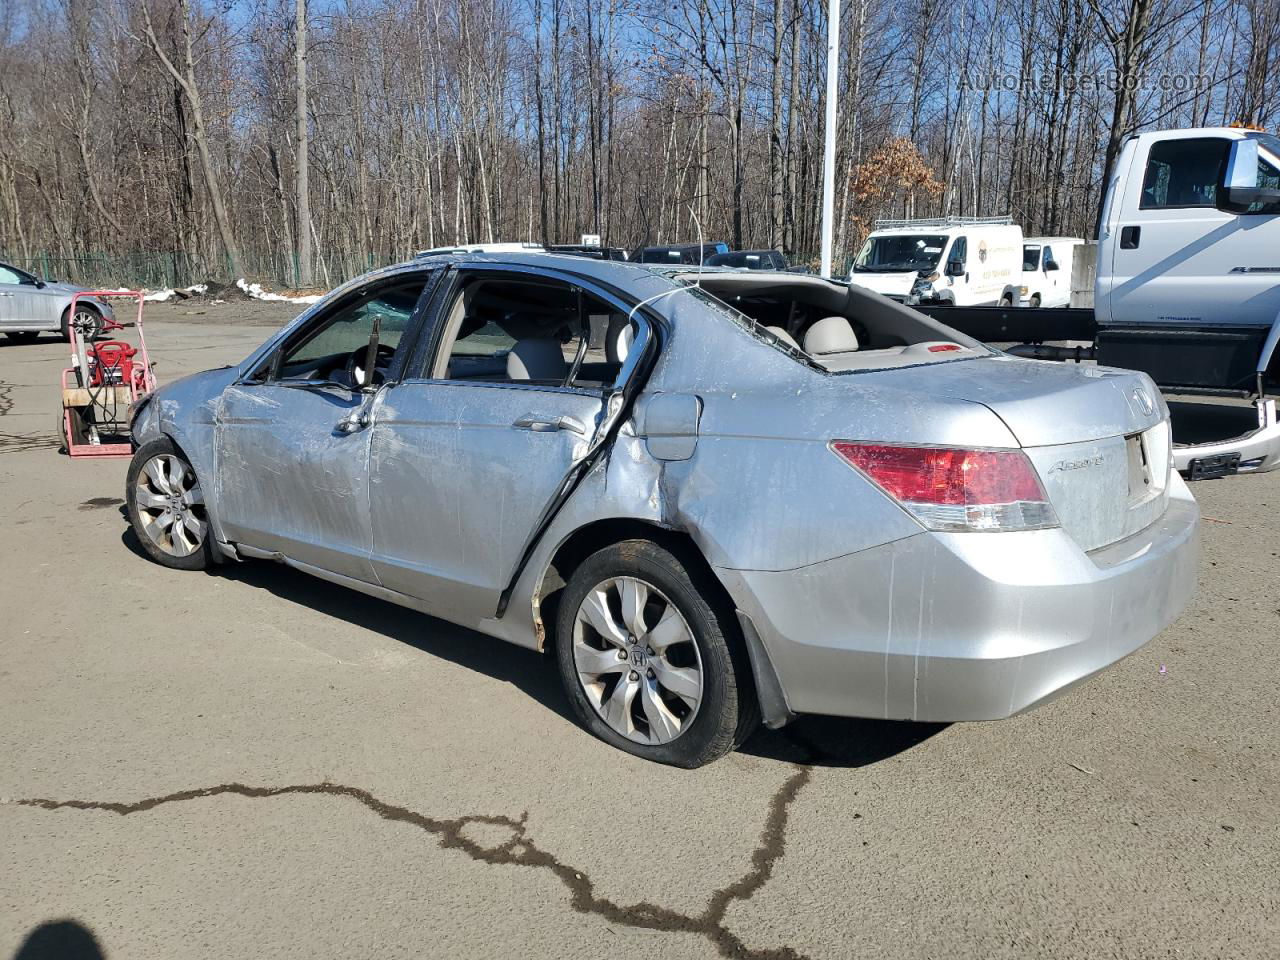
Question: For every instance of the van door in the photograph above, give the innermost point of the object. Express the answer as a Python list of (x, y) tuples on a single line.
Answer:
[(1176, 258)]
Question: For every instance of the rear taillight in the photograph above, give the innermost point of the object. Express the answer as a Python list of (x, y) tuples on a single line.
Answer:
[(954, 489)]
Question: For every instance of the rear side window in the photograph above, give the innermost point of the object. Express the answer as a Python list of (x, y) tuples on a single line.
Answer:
[(1183, 173)]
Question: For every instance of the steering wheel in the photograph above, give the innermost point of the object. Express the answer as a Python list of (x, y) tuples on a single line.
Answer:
[(355, 363)]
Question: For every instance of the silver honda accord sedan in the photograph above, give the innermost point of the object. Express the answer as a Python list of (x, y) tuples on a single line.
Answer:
[(718, 497)]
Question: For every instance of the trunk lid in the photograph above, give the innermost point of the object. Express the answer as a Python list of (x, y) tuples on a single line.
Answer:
[(1099, 438)]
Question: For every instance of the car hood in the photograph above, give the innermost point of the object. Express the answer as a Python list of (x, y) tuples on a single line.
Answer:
[(1043, 402), (896, 284)]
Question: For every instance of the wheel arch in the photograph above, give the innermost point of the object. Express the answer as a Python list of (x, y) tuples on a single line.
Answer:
[(593, 536)]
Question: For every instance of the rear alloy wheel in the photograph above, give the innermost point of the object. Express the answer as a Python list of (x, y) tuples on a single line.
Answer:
[(166, 507), (86, 321), (645, 660)]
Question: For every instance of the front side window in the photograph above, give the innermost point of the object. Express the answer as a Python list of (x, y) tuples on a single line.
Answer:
[(335, 345), (542, 331), (1184, 173), (900, 254), (959, 251)]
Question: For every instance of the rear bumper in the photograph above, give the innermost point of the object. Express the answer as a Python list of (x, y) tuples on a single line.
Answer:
[(967, 626), (1258, 450)]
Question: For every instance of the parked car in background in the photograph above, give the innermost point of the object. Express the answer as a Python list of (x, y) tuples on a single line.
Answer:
[(962, 261), (680, 253), (30, 306), (1046, 271), (750, 260), (812, 501), (594, 251)]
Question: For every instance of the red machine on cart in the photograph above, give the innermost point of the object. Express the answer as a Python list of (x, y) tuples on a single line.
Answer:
[(103, 382)]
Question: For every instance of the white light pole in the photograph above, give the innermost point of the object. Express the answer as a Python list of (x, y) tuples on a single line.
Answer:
[(829, 147)]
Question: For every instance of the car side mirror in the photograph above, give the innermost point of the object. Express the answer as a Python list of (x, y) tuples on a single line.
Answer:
[(1050, 265), (1240, 186), (955, 268), (366, 372)]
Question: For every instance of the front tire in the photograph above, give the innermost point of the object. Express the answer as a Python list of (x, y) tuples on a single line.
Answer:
[(646, 660), (166, 507), (1035, 301), (87, 321)]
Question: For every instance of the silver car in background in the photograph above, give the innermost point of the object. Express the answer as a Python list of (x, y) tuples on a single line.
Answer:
[(30, 306), (718, 496)]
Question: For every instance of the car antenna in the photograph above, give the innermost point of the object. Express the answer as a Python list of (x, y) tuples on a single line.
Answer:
[(702, 250)]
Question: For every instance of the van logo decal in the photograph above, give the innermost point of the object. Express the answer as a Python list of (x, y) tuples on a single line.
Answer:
[(982, 251), (1063, 466)]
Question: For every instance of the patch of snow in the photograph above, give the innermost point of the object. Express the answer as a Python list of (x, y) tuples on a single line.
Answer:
[(159, 296), (255, 290)]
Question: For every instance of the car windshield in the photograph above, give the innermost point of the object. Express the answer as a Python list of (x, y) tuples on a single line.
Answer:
[(900, 254), (1031, 257)]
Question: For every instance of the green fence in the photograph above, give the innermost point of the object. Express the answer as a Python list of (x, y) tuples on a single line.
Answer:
[(176, 268)]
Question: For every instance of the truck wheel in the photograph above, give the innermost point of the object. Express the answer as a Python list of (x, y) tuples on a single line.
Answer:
[(87, 321), (646, 659), (166, 507), (1035, 300), (1006, 300)]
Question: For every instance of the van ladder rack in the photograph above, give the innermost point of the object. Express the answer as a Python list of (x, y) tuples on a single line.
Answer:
[(945, 222)]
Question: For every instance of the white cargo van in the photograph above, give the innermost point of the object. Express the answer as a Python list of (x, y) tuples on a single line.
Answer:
[(963, 261), (1046, 271)]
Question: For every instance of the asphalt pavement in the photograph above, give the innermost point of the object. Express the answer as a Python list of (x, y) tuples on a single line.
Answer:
[(252, 762)]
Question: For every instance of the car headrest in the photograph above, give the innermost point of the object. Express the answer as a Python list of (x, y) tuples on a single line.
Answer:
[(618, 338), (830, 335), (783, 336), (537, 358)]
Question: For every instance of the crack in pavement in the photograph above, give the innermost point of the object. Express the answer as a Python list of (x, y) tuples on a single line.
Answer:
[(519, 850)]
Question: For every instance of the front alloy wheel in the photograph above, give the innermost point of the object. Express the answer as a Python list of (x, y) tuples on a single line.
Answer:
[(166, 507), (87, 323)]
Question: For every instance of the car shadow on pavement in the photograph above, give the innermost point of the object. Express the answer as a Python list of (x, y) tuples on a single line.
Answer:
[(529, 671), (60, 940), (812, 740), (839, 741)]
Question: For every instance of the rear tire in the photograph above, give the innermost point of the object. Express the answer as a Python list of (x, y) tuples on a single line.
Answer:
[(166, 507), (648, 661), (22, 336)]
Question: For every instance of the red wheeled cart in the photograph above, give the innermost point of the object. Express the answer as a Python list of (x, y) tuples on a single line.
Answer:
[(105, 379)]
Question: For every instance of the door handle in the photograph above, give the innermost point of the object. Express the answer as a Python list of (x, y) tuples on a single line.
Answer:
[(1130, 237), (353, 423), (549, 425)]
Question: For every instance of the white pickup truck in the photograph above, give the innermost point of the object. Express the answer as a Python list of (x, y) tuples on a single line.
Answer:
[(1187, 290)]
